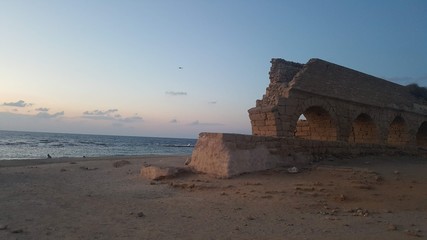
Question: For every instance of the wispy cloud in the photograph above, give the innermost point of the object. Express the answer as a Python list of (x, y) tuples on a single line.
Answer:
[(131, 119), (98, 117), (42, 109), (195, 123), (212, 102), (100, 112), (108, 115), (48, 115), (198, 123), (173, 121), (20, 103), (173, 93)]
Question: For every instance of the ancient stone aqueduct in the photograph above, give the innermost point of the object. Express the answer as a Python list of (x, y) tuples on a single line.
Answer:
[(315, 109)]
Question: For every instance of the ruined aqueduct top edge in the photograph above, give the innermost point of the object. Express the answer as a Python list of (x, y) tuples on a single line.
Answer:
[(327, 79)]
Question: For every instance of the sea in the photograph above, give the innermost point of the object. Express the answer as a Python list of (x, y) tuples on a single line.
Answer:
[(37, 145)]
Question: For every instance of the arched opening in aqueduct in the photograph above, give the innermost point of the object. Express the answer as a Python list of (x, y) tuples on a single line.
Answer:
[(316, 124), (364, 130), (398, 132), (422, 135)]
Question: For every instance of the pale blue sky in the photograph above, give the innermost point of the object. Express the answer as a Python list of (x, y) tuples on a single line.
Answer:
[(112, 67)]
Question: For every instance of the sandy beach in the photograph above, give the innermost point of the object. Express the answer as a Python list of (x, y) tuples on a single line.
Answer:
[(368, 197)]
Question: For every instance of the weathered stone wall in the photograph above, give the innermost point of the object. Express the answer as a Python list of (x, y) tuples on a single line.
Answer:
[(345, 112), (398, 134), (339, 104), (227, 155), (303, 129), (331, 80)]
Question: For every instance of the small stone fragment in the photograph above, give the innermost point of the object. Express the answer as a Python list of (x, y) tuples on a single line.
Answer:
[(120, 163), (413, 233), (392, 227), (293, 170), (17, 231), (140, 214), (3, 227), (88, 168), (158, 173), (379, 178)]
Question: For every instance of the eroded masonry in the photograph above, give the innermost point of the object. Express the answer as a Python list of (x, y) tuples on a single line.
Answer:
[(314, 109)]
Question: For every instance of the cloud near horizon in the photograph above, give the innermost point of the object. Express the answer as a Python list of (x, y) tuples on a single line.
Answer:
[(42, 109), (20, 103), (135, 118), (198, 123), (100, 112), (173, 93), (45, 114), (107, 116)]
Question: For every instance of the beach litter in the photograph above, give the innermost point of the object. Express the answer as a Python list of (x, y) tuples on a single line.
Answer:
[(293, 170)]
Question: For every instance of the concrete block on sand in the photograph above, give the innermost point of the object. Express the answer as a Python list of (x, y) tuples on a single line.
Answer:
[(157, 173)]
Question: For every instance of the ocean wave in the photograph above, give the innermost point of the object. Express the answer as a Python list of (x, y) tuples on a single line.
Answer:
[(14, 143), (17, 145), (93, 143), (57, 145), (178, 145)]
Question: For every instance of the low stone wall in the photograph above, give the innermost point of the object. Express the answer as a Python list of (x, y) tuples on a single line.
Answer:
[(226, 155)]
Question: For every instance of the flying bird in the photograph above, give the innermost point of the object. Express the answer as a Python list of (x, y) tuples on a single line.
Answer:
[(180, 67)]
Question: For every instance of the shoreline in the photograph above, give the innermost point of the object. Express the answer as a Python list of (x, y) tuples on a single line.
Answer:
[(40, 161)]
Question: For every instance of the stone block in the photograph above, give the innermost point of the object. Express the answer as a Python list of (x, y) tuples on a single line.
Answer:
[(212, 156), (157, 173)]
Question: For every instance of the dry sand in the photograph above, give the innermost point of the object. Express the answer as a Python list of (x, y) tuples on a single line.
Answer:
[(360, 198)]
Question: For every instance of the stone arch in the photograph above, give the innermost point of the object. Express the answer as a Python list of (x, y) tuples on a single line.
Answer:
[(422, 135), (317, 125), (364, 130), (398, 132)]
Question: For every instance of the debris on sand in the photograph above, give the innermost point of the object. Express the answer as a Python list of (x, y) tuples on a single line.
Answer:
[(359, 212), (158, 173), (17, 231), (120, 163), (88, 168), (293, 170), (392, 227)]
